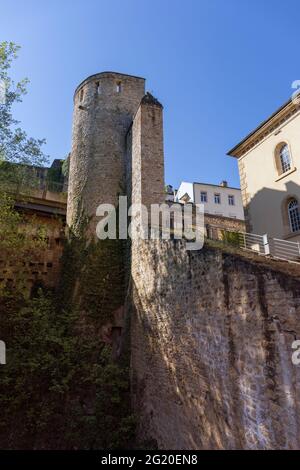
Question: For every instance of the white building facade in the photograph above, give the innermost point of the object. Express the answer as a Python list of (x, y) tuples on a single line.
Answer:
[(220, 200)]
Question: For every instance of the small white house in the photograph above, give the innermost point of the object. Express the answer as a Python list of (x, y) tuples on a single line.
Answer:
[(219, 200), (170, 193)]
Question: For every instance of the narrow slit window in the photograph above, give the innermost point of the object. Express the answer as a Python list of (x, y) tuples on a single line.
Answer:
[(81, 95), (119, 87)]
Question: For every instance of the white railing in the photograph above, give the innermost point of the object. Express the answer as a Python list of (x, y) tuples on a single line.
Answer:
[(285, 249), (247, 241), (253, 242), (261, 244)]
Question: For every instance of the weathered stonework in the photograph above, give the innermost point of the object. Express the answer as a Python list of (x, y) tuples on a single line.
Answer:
[(228, 223), (43, 267), (148, 154), (211, 332), (104, 107), (211, 350)]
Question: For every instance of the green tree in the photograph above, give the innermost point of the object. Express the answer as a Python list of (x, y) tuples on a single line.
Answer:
[(16, 149), (20, 238)]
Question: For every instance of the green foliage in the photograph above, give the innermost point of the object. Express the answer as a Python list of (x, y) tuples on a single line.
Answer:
[(231, 238), (18, 236), (96, 280), (20, 239), (55, 178), (59, 389), (66, 167), (15, 146)]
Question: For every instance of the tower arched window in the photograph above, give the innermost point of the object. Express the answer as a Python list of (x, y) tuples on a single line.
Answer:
[(285, 158), (294, 215)]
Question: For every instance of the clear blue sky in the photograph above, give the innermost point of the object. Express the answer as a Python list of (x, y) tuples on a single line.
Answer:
[(218, 66)]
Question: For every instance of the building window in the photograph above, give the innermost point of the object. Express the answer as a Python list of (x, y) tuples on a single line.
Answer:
[(285, 158), (217, 198), (81, 95), (119, 87), (294, 215), (203, 196), (231, 200), (98, 88)]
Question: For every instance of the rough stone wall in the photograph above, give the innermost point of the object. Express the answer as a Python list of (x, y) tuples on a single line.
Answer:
[(215, 221), (211, 350), (148, 153), (102, 116), (225, 222), (43, 268)]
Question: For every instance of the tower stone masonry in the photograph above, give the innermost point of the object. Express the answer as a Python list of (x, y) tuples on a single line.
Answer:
[(210, 330), (117, 133)]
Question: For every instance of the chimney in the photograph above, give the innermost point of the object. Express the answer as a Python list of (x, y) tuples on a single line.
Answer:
[(224, 184)]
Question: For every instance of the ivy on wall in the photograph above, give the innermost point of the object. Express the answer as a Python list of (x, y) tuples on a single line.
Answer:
[(61, 388)]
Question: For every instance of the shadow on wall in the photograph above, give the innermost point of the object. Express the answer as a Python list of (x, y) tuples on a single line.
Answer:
[(268, 211), (211, 350)]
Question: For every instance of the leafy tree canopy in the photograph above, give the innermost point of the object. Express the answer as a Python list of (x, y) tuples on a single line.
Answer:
[(15, 146)]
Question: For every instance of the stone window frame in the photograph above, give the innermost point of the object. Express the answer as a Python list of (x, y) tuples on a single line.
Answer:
[(119, 87), (98, 88), (81, 94)]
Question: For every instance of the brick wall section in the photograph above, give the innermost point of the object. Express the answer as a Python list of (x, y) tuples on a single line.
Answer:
[(225, 222), (43, 267), (211, 350), (221, 222)]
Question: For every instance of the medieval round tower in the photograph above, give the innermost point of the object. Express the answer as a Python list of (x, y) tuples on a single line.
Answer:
[(104, 108)]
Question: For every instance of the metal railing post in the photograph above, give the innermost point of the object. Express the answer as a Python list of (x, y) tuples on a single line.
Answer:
[(266, 244)]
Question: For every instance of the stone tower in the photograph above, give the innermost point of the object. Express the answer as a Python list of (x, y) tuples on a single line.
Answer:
[(104, 107)]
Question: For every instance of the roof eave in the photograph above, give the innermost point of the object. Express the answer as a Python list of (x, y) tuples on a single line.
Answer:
[(233, 152)]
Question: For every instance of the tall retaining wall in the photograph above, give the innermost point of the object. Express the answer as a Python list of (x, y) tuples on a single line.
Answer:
[(211, 350)]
